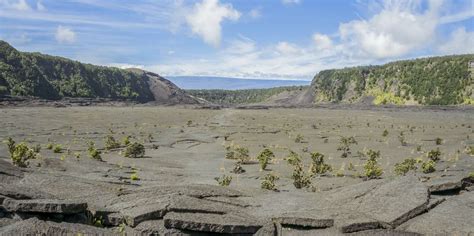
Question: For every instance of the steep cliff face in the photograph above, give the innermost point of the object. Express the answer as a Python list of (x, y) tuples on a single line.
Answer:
[(50, 77), (444, 80)]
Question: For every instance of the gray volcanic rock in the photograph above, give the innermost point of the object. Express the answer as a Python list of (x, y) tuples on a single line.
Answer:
[(21, 192), (212, 223), (9, 173), (45, 206), (195, 205), (385, 232), (455, 216), (34, 226), (393, 202), (135, 215), (447, 183), (302, 220)]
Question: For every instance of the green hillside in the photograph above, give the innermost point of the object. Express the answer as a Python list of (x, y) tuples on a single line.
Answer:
[(446, 80), (39, 75)]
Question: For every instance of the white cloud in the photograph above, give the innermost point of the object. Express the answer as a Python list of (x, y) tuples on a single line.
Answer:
[(322, 41), (461, 42), (206, 18), (126, 66), (65, 35), (287, 2), (21, 5), (394, 31), (40, 6), (287, 48), (255, 13)]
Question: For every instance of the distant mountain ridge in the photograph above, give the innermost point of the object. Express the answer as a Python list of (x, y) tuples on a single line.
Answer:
[(229, 83), (50, 77)]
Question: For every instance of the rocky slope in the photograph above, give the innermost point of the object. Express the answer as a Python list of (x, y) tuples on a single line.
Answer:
[(444, 80), (50, 77)]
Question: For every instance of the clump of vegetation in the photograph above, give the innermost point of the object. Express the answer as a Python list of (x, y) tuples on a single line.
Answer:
[(301, 179), (405, 166), (293, 158), (238, 169), (134, 176), (299, 138), (50, 146), (401, 138), (344, 145), (269, 182), (94, 153), (428, 166), (224, 180), (126, 140), (439, 141), (318, 166), (237, 152), (434, 155), (58, 148), (385, 133), (372, 168), (111, 143), (189, 122), (19, 153), (265, 157), (135, 150), (470, 150)]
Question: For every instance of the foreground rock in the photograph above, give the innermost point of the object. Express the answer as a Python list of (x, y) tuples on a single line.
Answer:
[(34, 226), (212, 223), (45, 206), (455, 216)]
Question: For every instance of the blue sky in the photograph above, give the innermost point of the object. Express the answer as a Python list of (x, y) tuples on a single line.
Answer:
[(278, 39)]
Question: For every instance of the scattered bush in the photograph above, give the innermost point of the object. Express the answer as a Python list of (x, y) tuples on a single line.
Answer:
[(126, 140), (10, 145), (21, 154), (57, 148), (49, 146), (438, 141), (434, 155), (385, 133), (299, 138), (405, 166), (470, 150), (111, 143), (428, 166), (265, 157), (135, 150), (372, 168), (293, 158), (344, 145), (269, 182), (134, 176), (318, 166), (224, 180), (238, 168), (300, 178), (401, 138), (238, 153), (93, 152)]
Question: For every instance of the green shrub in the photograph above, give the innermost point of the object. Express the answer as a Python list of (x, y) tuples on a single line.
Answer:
[(265, 157), (93, 152), (293, 158), (126, 140), (470, 150), (21, 154), (238, 153), (224, 180), (50, 146), (385, 133), (428, 166), (438, 141), (318, 166), (10, 145), (134, 176), (299, 138), (372, 168), (269, 182), (3, 90), (135, 150), (57, 148), (405, 166), (434, 155), (344, 145), (300, 178), (111, 143)]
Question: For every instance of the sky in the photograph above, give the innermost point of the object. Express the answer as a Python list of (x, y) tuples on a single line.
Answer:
[(262, 39)]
